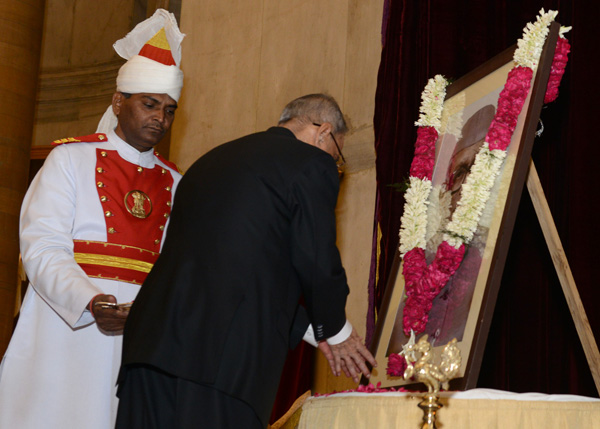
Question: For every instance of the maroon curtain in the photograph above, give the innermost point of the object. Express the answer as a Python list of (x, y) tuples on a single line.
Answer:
[(532, 344)]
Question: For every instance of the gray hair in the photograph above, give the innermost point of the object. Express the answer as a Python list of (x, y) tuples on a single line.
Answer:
[(316, 109)]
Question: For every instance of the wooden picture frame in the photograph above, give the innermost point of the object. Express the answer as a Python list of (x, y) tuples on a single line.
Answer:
[(464, 308)]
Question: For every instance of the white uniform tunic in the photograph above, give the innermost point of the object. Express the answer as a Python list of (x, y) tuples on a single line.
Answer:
[(59, 370)]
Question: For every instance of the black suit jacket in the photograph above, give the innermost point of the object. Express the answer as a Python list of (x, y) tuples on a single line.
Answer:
[(252, 230)]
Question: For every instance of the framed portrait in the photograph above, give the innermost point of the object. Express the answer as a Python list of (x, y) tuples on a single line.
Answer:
[(464, 307)]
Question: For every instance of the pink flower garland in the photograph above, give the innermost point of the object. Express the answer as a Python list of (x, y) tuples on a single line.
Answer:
[(559, 63), (424, 158), (424, 282), (396, 365), (510, 104)]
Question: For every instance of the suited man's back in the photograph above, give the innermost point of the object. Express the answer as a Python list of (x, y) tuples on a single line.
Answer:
[(252, 230)]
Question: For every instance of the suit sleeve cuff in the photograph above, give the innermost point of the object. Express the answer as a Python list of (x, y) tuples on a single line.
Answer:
[(309, 335)]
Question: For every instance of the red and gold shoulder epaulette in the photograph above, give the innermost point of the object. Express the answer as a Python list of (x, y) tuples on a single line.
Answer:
[(92, 138), (167, 162)]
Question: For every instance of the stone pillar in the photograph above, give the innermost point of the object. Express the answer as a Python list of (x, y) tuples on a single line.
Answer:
[(20, 44)]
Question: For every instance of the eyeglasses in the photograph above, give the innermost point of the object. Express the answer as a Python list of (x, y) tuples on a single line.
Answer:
[(341, 161)]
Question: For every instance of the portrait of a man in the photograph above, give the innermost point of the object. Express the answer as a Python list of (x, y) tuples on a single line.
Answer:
[(463, 157), (450, 310)]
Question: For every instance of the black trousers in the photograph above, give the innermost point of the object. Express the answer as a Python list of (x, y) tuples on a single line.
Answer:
[(152, 399)]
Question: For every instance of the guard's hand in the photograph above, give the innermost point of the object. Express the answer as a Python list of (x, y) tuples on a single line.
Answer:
[(108, 319), (348, 356)]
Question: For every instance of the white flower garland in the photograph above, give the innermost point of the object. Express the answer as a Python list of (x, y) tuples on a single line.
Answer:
[(475, 193), (534, 35), (486, 168), (432, 103), (563, 30), (414, 219)]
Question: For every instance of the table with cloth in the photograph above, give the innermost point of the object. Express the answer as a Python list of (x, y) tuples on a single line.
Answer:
[(474, 408)]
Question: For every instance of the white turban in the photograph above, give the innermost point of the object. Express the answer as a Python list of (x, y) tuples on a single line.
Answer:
[(141, 74)]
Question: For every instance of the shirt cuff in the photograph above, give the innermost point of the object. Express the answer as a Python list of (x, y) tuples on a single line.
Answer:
[(341, 336), (309, 335), (85, 319)]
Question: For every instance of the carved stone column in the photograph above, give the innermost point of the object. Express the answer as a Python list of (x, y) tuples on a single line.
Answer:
[(20, 43)]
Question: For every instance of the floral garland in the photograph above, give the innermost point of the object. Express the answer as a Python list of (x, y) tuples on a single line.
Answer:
[(558, 65), (424, 282)]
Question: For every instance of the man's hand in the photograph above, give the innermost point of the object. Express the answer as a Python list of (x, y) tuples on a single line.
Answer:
[(108, 319), (349, 356)]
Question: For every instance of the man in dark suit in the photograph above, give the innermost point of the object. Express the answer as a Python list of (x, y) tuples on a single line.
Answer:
[(252, 231)]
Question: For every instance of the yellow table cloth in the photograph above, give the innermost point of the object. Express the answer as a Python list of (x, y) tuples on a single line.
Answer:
[(477, 408)]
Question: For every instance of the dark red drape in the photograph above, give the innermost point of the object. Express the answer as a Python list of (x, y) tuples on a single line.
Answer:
[(532, 344)]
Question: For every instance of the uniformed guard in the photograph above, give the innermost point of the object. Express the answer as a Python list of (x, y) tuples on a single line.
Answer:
[(92, 224)]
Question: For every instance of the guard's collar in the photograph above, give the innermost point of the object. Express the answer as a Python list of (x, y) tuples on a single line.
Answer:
[(131, 154)]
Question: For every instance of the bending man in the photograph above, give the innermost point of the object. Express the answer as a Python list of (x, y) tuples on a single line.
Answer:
[(253, 230)]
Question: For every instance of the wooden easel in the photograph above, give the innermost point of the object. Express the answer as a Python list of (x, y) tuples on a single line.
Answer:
[(561, 264)]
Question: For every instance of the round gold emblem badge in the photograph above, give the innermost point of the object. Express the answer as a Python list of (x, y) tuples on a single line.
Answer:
[(138, 204)]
